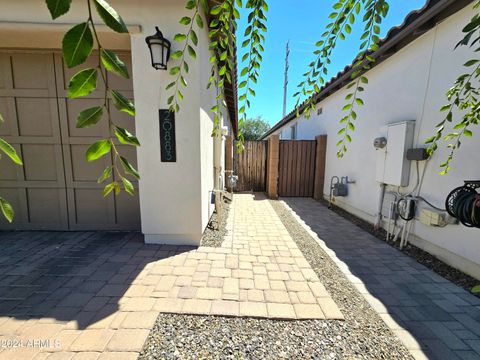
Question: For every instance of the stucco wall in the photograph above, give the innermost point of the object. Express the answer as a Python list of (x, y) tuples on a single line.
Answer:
[(173, 196), (410, 85)]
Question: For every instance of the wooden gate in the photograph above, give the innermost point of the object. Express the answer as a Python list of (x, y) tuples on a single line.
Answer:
[(296, 170), (250, 166)]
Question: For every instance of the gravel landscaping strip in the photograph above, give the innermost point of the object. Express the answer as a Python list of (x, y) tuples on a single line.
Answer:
[(428, 260), (213, 236), (363, 335)]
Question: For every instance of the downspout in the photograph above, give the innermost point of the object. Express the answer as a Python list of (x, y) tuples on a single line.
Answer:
[(217, 167)]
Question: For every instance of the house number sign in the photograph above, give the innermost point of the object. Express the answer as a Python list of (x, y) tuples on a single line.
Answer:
[(168, 151)]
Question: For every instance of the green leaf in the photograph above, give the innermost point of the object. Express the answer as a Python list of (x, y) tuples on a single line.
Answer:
[(7, 209), (106, 174), (10, 152), (77, 45), (1, 118), (192, 52), (194, 37), (185, 20), (471, 62), (467, 133), (128, 186), (183, 81), (199, 20), (174, 71), (110, 187), (476, 289), (98, 149), (215, 10), (82, 83), (112, 63), (179, 37), (176, 55), (122, 103), (125, 137), (110, 16), (58, 8), (89, 117), (128, 168)]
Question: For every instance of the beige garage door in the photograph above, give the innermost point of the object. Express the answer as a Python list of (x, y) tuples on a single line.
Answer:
[(57, 189)]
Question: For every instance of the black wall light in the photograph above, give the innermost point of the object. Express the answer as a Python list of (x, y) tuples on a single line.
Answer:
[(159, 49)]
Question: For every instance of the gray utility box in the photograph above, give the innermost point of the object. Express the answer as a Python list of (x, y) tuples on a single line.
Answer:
[(340, 189), (393, 166)]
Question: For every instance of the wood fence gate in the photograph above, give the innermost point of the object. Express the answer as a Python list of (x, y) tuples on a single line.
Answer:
[(296, 170), (250, 166)]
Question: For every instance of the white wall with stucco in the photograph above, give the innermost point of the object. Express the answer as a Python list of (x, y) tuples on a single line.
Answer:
[(174, 197), (410, 85)]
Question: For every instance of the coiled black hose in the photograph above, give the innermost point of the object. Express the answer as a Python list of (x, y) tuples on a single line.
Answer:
[(463, 203)]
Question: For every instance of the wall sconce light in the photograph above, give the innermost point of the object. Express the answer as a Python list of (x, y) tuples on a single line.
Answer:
[(159, 49)]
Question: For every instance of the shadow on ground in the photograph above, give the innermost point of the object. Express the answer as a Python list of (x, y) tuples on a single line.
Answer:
[(431, 313), (71, 276)]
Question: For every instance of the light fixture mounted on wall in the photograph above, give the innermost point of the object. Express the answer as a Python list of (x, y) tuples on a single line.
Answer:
[(159, 49)]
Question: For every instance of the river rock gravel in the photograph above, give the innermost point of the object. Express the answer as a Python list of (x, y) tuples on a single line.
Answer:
[(363, 334), (215, 233)]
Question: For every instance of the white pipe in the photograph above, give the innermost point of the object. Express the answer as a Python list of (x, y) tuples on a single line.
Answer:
[(378, 217), (397, 234), (217, 170), (409, 229), (217, 157)]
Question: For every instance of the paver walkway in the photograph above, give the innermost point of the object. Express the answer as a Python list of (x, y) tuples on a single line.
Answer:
[(433, 317), (90, 295), (258, 272)]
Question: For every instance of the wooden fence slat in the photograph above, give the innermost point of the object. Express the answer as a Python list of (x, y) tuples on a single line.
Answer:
[(250, 166), (296, 168)]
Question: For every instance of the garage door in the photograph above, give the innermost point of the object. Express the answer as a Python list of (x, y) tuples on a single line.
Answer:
[(57, 189)]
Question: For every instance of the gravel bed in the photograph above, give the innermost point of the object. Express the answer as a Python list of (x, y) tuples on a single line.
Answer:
[(363, 335), (430, 261), (212, 236)]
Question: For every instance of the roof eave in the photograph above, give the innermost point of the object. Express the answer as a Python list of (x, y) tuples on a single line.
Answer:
[(416, 23)]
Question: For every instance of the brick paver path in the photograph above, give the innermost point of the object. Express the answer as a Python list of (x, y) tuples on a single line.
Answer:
[(88, 295), (259, 272), (433, 317)]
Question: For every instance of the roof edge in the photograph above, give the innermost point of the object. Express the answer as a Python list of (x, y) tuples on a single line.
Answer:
[(415, 24)]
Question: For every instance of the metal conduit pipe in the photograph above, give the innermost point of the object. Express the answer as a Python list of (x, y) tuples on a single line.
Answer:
[(378, 216)]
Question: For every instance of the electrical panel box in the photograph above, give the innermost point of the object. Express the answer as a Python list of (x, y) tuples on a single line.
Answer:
[(393, 167)]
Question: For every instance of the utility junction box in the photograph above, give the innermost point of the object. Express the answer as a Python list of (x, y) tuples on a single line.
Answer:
[(393, 167)]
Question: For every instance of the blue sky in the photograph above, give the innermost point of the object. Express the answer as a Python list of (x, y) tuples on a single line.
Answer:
[(302, 22)]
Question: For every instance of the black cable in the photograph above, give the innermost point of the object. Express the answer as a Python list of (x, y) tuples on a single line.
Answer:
[(430, 204), (405, 212)]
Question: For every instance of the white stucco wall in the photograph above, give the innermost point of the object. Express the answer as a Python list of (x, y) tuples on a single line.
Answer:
[(173, 196), (410, 85)]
